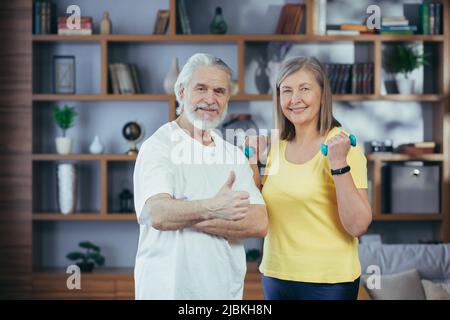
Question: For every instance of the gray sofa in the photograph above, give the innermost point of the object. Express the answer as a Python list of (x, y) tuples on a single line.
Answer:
[(407, 271)]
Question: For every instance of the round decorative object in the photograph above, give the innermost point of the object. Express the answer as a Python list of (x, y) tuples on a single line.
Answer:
[(133, 132)]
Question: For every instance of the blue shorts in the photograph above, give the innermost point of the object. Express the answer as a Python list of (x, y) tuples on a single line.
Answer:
[(277, 289)]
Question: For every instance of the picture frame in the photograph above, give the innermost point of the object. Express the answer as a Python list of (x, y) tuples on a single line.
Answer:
[(64, 74)]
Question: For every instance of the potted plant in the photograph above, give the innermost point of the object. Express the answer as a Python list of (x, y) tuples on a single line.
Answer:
[(88, 259), (402, 60), (64, 118)]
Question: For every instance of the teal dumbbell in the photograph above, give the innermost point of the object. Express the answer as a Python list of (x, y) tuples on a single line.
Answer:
[(324, 147), (249, 151)]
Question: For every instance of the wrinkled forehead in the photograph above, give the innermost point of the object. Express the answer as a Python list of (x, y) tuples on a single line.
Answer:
[(210, 76)]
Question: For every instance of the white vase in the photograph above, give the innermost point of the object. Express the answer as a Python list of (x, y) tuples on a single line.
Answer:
[(67, 192), (171, 77), (405, 85), (63, 145), (96, 146)]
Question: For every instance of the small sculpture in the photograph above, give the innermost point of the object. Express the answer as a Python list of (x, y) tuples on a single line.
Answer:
[(96, 146), (218, 24), (105, 25)]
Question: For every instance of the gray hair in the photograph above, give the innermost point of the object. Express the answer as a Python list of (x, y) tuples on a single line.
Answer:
[(326, 119), (198, 60)]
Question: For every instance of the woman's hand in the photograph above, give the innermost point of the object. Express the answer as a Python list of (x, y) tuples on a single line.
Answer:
[(259, 143), (338, 148)]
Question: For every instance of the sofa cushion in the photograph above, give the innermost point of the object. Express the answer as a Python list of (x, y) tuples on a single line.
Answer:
[(436, 290), (400, 286)]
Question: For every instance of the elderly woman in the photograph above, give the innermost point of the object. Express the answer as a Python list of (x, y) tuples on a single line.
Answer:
[(317, 205)]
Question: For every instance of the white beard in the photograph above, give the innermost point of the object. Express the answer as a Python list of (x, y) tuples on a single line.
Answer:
[(203, 124)]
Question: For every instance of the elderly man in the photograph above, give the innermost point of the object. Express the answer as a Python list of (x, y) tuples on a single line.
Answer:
[(195, 197)]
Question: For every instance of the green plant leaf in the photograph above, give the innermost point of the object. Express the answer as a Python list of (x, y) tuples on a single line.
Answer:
[(76, 256), (97, 258), (89, 245), (405, 58), (64, 117)]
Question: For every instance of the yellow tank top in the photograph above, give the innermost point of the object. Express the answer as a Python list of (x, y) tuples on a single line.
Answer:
[(306, 240)]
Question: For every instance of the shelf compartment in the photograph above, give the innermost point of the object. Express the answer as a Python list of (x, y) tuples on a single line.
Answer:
[(45, 186), (87, 66), (119, 178)]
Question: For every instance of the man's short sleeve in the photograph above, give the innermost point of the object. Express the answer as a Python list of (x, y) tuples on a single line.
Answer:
[(358, 164), (153, 174)]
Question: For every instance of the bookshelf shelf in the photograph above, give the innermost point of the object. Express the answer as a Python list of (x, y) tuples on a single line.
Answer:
[(83, 157), (236, 38), (84, 217), (407, 217), (438, 157), (102, 97)]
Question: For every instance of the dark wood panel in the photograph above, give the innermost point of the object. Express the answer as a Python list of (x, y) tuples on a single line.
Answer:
[(15, 142)]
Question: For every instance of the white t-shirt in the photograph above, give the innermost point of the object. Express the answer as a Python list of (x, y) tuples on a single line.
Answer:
[(187, 264)]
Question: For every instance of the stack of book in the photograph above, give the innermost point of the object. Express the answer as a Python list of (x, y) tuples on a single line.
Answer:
[(354, 78), (124, 78), (183, 25), (426, 16), (84, 29), (348, 30), (290, 20), (397, 25), (44, 13)]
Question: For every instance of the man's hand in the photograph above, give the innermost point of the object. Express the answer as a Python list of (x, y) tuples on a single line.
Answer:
[(228, 204)]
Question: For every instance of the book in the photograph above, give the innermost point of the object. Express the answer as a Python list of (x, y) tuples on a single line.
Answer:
[(432, 17), (80, 32), (37, 17), (425, 18), (162, 21), (343, 32), (411, 11), (438, 18), (390, 23), (290, 19), (357, 27), (399, 28), (134, 74), (184, 25), (113, 79), (124, 78)]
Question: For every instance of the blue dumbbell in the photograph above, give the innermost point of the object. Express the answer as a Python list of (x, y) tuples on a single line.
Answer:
[(324, 147), (249, 151)]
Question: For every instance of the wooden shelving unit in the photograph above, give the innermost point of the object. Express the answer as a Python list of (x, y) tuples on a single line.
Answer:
[(123, 278), (241, 40)]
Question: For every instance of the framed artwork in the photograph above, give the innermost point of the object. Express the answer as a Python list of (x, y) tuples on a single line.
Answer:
[(64, 74)]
